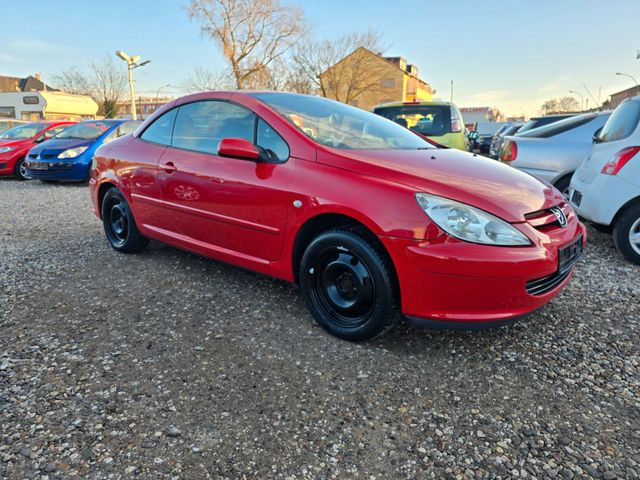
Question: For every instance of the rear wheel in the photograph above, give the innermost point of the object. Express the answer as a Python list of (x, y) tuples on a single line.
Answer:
[(20, 171), (349, 284), (626, 234), (119, 224)]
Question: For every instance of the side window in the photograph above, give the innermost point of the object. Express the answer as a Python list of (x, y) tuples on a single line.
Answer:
[(160, 130), (201, 125), (269, 138)]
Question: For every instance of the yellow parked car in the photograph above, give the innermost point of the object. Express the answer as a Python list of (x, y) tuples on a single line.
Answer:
[(439, 121)]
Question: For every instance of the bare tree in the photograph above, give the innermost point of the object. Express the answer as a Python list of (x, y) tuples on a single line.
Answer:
[(348, 78), (108, 85), (73, 81), (203, 80), (561, 104), (251, 33)]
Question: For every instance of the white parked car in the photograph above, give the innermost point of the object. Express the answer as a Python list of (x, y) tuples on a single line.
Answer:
[(606, 187), (553, 152)]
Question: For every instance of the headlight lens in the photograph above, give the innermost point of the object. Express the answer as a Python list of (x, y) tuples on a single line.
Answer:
[(469, 223), (72, 152), (6, 149)]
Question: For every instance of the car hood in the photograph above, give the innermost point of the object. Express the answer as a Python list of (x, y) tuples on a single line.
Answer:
[(56, 146), (478, 181), (14, 143)]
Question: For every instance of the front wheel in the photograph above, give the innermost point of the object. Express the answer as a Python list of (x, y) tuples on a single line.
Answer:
[(349, 284), (626, 234), (20, 170), (119, 224)]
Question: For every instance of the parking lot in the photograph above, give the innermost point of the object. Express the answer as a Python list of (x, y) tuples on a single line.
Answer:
[(168, 365)]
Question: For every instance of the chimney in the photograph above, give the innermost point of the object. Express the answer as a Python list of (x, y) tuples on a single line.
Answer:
[(38, 76)]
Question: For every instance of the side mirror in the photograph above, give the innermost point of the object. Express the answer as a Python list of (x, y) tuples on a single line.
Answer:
[(40, 139), (238, 148), (596, 136)]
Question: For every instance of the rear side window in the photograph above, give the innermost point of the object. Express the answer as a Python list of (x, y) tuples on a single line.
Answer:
[(622, 122), (201, 125), (428, 120), (160, 130), (559, 127)]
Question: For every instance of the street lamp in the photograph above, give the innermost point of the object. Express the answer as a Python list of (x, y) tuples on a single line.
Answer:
[(581, 99), (158, 91), (631, 77), (132, 62)]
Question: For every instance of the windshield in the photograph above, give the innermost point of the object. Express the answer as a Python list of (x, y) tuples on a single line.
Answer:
[(428, 120), (622, 122), (22, 132), (338, 125), (85, 131)]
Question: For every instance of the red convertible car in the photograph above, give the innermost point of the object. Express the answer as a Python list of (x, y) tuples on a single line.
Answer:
[(371, 220), (16, 142)]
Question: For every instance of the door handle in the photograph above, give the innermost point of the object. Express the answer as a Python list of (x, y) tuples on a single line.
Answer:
[(169, 167)]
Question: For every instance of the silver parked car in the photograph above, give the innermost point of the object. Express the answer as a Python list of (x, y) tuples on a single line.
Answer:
[(555, 151), (498, 138)]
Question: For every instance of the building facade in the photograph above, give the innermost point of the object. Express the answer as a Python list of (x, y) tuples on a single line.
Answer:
[(145, 107), (364, 79), (618, 97)]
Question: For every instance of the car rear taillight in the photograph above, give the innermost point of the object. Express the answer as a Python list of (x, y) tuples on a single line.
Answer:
[(509, 152), (619, 160), (455, 125)]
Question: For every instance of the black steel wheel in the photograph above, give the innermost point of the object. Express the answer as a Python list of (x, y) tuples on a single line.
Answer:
[(119, 224), (349, 284)]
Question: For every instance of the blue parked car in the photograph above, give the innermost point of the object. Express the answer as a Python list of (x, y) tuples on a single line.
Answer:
[(67, 156)]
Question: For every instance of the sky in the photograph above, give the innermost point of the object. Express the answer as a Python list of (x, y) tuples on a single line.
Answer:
[(510, 55)]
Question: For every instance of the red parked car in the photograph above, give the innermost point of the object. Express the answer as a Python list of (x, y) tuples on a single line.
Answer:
[(16, 142), (370, 219)]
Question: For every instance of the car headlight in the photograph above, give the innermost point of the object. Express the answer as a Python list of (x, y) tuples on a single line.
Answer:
[(469, 223), (6, 149), (72, 152)]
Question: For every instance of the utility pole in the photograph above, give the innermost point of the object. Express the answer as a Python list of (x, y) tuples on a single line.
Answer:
[(451, 91), (132, 62)]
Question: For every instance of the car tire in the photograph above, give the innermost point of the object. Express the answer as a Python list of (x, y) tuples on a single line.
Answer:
[(119, 224), (626, 228), (20, 171), (349, 284), (563, 185)]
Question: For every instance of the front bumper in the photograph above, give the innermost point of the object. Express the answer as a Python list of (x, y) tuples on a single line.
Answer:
[(8, 162), (73, 170), (456, 283)]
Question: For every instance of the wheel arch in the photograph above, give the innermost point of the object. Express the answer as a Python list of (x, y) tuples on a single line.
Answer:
[(321, 222), (631, 203), (102, 191)]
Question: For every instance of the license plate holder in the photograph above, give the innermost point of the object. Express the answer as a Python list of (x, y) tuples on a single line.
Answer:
[(576, 198), (569, 255)]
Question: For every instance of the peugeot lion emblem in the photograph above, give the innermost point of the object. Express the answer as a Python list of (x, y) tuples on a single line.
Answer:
[(562, 218)]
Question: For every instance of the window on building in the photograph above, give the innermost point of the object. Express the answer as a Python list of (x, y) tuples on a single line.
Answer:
[(389, 83)]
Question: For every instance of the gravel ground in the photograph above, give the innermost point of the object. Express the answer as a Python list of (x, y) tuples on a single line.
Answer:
[(168, 365)]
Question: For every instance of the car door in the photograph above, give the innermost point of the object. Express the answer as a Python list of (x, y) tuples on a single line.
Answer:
[(138, 166), (229, 206)]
